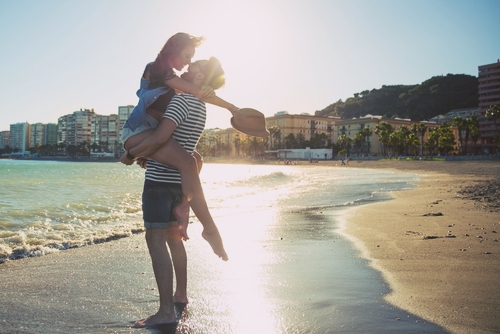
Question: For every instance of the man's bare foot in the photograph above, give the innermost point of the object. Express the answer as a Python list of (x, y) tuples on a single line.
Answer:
[(155, 320), (215, 241), (181, 212)]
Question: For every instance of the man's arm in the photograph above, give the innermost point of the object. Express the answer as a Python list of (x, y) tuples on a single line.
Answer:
[(152, 143)]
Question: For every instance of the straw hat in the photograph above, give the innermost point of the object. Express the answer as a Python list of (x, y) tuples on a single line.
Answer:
[(250, 122)]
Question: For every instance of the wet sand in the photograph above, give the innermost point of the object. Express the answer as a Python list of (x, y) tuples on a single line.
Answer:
[(437, 244)]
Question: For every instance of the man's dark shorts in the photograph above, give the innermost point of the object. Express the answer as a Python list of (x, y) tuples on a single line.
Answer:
[(158, 200)]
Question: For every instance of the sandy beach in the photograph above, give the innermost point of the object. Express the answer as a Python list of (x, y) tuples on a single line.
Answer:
[(436, 245)]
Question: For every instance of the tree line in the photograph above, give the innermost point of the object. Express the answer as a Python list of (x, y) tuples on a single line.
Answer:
[(432, 97)]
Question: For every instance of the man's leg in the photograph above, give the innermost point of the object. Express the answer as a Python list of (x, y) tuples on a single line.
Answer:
[(179, 258), (162, 266), (157, 201)]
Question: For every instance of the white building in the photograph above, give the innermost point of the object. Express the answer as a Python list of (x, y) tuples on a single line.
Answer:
[(307, 153)]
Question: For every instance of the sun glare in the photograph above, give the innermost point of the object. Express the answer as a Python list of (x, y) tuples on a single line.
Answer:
[(242, 35)]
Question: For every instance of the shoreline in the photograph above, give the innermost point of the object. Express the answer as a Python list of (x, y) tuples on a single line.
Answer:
[(437, 249), (449, 281)]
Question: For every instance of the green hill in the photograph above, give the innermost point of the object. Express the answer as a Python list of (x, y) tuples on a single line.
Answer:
[(433, 97)]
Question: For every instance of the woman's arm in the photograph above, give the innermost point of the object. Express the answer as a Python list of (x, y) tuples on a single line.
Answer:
[(217, 101), (206, 94), (187, 87)]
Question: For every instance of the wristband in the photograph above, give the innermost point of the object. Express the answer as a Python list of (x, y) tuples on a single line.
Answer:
[(129, 156)]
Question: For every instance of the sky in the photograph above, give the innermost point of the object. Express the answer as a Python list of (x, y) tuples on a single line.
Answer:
[(299, 56)]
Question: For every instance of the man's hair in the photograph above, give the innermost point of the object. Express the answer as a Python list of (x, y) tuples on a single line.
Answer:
[(214, 74)]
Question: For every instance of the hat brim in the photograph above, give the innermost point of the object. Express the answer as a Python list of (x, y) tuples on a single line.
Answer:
[(259, 133)]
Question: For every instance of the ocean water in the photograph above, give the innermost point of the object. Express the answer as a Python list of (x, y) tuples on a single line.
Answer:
[(48, 206), (290, 271)]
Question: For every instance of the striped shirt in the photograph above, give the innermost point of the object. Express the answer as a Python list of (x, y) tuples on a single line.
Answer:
[(189, 114)]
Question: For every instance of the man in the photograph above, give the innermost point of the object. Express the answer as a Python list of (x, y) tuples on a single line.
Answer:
[(184, 120)]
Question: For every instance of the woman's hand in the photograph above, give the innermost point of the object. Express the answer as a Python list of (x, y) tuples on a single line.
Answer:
[(142, 162), (206, 92), (125, 160)]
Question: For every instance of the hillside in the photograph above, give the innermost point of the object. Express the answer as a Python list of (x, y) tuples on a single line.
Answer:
[(433, 97)]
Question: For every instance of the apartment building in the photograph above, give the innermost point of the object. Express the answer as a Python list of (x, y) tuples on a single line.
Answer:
[(37, 134), (305, 125), (463, 113), (4, 139), (489, 94), (50, 134), (19, 137), (75, 128), (104, 132), (123, 114), (43, 134)]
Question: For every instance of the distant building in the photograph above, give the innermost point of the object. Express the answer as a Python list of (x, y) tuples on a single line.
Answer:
[(37, 134), (75, 128), (123, 114), (449, 116), (4, 139), (50, 136), (19, 138), (104, 132), (305, 154), (489, 94), (464, 113), (62, 129), (303, 126)]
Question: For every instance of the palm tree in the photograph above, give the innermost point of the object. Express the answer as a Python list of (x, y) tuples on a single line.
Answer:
[(432, 140), (412, 143), (366, 132), (396, 142), (344, 141), (383, 131), (493, 113), (473, 131), (405, 133), (446, 139), (272, 131), (300, 140), (419, 129), (290, 141), (460, 123), (237, 144)]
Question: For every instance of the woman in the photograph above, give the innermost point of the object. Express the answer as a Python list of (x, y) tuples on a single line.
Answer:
[(158, 85)]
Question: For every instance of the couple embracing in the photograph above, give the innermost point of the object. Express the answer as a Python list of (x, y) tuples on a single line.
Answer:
[(161, 135)]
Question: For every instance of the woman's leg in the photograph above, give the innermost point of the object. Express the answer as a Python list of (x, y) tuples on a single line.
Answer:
[(181, 211), (173, 154), (137, 138)]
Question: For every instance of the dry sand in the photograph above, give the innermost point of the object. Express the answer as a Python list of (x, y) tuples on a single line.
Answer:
[(437, 245)]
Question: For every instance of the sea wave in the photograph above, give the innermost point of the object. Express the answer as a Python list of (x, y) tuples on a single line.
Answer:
[(21, 245)]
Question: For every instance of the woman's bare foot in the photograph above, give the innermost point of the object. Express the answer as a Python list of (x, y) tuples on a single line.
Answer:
[(214, 239), (181, 212), (155, 320)]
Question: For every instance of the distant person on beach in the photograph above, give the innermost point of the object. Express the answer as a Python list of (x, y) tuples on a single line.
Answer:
[(158, 85), (184, 120)]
